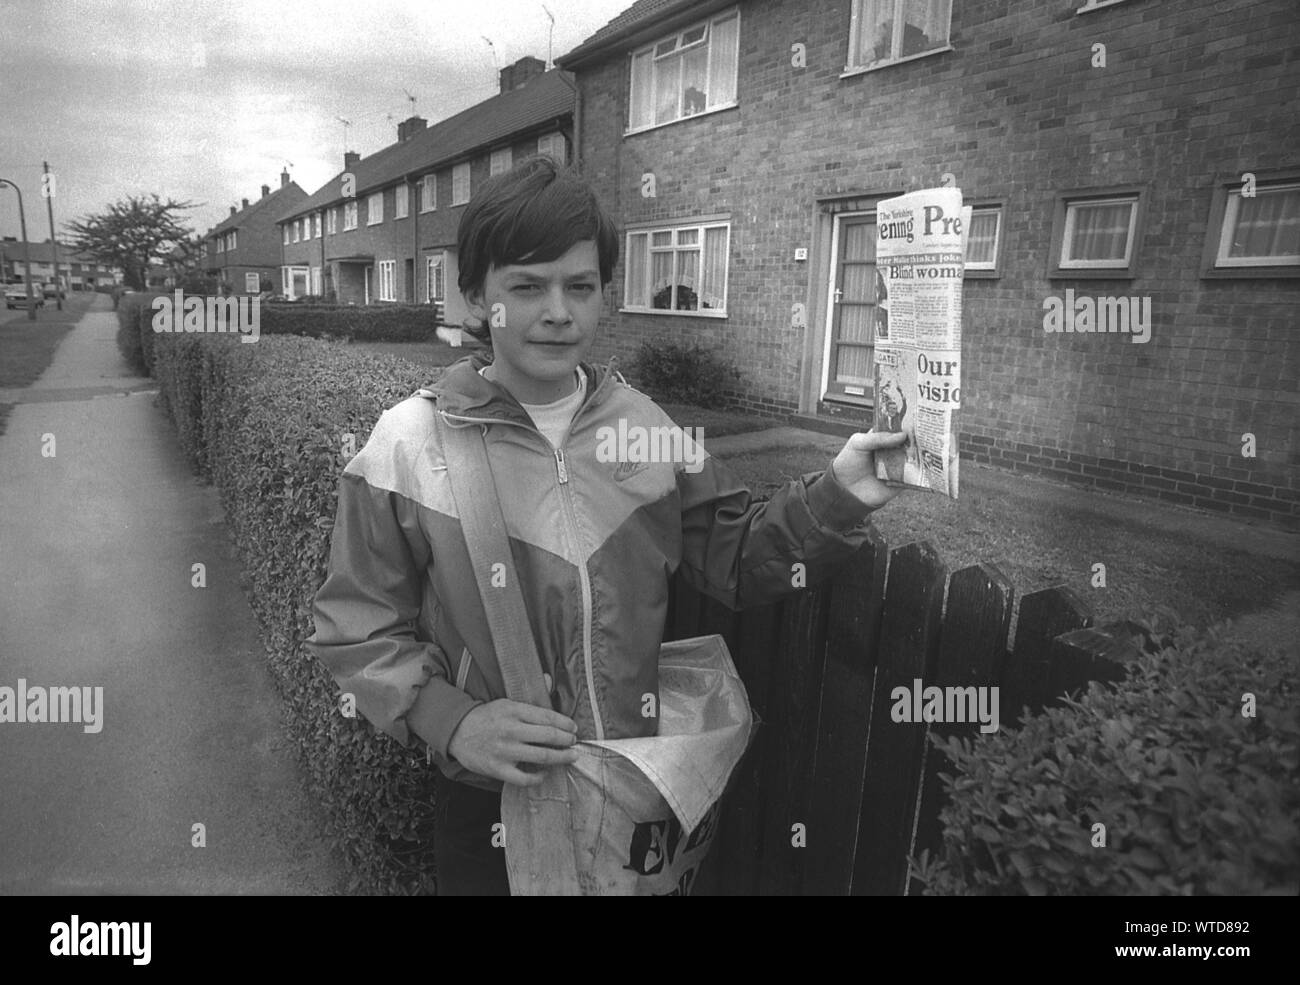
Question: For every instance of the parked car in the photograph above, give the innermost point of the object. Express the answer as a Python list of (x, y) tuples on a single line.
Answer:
[(16, 296), (54, 291)]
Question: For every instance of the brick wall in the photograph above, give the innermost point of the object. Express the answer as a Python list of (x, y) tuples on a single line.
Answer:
[(1018, 114)]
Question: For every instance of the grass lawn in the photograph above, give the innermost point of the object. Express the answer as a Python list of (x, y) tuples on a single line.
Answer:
[(27, 347), (1038, 543)]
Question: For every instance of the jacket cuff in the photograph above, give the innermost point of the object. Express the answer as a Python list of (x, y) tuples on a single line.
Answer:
[(833, 505), (437, 712)]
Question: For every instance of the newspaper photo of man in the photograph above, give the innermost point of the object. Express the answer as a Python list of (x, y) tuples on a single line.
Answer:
[(894, 414)]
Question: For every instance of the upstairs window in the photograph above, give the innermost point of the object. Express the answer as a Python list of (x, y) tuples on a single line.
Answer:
[(375, 209), (499, 162), (885, 31), (429, 193), (401, 201), (686, 73), (552, 146), (460, 184)]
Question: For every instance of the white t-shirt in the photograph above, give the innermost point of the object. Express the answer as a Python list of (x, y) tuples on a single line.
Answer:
[(553, 419)]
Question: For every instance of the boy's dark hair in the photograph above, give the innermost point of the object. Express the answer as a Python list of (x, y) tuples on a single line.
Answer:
[(533, 213)]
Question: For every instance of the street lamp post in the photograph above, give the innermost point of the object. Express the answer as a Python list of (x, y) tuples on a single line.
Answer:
[(27, 255)]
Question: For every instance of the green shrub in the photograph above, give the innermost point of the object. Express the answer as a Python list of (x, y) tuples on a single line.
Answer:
[(128, 333), (1196, 798), (362, 323), (689, 374), (267, 424)]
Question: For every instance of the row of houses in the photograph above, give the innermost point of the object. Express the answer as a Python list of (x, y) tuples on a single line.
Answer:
[(76, 272), (1110, 149)]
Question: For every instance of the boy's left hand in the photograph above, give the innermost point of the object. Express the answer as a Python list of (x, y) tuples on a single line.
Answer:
[(855, 466)]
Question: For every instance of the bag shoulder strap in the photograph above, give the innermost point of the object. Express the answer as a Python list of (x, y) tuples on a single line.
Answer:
[(478, 505)]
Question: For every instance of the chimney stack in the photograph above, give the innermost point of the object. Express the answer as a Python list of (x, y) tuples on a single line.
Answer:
[(409, 128), (517, 75), (245, 203), (266, 190), (284, 178), (350, 159), (233, 210)]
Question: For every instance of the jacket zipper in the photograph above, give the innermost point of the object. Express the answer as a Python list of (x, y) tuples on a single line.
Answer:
[(571, 523), (584, 580)]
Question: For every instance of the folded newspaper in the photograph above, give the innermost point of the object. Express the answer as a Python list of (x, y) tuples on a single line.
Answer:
[(919, 263)]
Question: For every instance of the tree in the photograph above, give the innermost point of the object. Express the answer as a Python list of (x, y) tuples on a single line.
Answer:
[(131, 234)]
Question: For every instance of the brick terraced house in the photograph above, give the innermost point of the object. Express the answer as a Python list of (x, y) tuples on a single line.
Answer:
[(243, 250), (1125, 149), (384, 228)]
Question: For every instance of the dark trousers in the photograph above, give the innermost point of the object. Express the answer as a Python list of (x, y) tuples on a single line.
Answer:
[(468, 863)]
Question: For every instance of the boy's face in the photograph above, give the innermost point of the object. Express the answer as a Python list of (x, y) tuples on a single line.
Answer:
[(546, 323)]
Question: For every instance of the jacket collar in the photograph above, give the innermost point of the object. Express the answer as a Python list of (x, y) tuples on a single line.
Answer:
[(463, 392)]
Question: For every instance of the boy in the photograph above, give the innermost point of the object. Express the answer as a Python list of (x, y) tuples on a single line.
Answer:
[(398, 620)]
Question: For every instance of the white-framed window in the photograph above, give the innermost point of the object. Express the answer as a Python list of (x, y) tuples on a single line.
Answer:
[(297, 230), (234, 238), (1260, 230), (690, 72), (680, 268), (885, 31), (350, 215), (315, 281), (500, 161), (433, 278), (552, 145), (331, 221), (375, 209), (315, 225), (428, 193), (286, 235), (387, 287), (401, 201), (460, 184), (1099, 233), (1096, 232), (983, 239)]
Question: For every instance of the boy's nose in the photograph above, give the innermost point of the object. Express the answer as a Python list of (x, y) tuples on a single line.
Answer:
[(556, 309)]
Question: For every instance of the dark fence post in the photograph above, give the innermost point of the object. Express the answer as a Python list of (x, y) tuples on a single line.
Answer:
[(972, 650), (792, 737), (909, 637), (844, 720), (1043, 616)]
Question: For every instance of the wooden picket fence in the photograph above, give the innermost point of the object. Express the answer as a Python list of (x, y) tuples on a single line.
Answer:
[(820, 668)]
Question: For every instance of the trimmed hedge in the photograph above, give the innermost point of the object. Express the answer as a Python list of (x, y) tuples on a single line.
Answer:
[(268, 423), (390, 323), (1196, 797)]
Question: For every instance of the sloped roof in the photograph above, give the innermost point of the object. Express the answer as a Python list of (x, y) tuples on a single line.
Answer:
[(629, 27), (277, 201), (543, 97)]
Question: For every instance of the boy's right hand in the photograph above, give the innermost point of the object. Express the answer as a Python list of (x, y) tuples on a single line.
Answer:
[(494, 739)]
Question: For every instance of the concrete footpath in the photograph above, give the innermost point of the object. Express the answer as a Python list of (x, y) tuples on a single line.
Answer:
[(96, 547)]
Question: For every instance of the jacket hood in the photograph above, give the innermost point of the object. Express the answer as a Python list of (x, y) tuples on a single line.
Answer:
[(463, 392)]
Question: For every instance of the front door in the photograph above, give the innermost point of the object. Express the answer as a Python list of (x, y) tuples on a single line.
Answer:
[(853, 312)]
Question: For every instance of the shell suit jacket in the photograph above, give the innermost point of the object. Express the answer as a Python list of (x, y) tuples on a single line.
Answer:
[(399, 622)]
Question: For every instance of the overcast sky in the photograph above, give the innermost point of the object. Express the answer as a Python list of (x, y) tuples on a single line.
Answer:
[(207, 101)]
